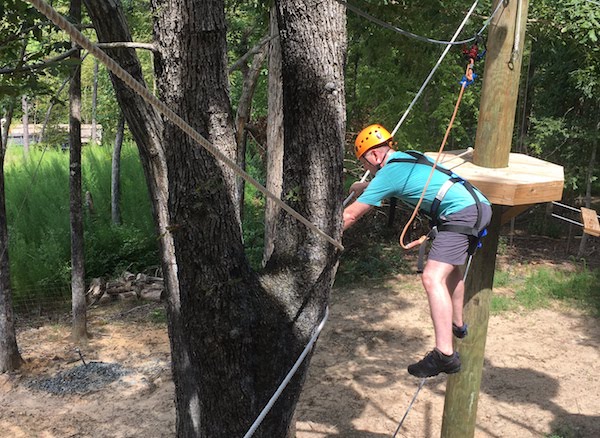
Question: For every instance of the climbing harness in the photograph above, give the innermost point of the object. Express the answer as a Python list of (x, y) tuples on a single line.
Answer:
[(472, 233), (409, 406), (142, 91)]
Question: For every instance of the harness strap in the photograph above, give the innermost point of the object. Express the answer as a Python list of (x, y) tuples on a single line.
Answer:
[(473, 233), (419, 158)]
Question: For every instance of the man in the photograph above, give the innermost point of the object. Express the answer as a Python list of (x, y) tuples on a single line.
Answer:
[(460, 212)]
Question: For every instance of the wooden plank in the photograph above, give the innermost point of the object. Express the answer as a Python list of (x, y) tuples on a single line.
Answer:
[(526, 180), (513, 212), (590, 222)]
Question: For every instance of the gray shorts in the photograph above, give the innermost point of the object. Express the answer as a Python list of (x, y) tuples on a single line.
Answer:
[(450, 247)]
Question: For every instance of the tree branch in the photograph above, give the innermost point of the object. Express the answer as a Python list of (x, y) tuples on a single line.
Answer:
[(257, 48), (62, 56)]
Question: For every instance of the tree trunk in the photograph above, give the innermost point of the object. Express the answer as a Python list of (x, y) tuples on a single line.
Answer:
[(49, 110), (79, 306), (274, 137), (115, 176), (234, 335), (243, 116), (10, 359), (94, 101), (145, 124), (588, 190), (25, 121), (6, 122)]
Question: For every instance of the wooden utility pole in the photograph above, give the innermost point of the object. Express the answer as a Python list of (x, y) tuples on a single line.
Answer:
[(492, 150)]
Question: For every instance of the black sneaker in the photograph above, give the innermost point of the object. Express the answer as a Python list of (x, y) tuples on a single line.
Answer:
[(434, 363), (460, 332)]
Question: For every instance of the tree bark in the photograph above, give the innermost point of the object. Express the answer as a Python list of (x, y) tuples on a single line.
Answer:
[(115, 176), (25, 120), (588, 189), (234, 334), (10, 359), (79, 305), (242, 117), (94, 101), (274, 136), (145, 125)]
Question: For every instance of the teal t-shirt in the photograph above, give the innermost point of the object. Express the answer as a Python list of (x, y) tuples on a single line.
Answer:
[(405, 181)]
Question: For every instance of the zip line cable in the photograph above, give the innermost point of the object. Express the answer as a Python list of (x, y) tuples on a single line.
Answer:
[(406, 33), (399, 30), (130, 81), (439, 62)]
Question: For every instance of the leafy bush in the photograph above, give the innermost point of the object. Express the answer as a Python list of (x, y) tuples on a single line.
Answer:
[(37, 201)]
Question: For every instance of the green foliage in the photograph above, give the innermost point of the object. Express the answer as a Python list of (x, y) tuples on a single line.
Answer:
[(253, 216), (385, 70), (565, 431), (158, 316), (37, 192), (372, 251)]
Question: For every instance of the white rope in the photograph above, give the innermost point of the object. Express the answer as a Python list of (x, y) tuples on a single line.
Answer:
[(401, 31), (517, 39), (446, 50), (409, 406), (82, 41), (289, 376), (485, 25)]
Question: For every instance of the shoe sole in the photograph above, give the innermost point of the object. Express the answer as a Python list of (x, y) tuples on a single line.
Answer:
[(451, 371)]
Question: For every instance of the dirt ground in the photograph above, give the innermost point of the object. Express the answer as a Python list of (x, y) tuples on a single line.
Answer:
[(541, 373)]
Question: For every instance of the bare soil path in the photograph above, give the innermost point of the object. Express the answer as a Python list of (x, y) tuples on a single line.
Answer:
[(542, 374)]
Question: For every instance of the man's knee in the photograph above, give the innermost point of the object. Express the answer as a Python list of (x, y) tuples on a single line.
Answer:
[(435, 273)]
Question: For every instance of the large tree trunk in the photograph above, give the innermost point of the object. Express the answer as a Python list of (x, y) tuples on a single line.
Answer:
[(10, 359), (79, 306), (115, 175), (235, 335), (145, 124), (274, 136)]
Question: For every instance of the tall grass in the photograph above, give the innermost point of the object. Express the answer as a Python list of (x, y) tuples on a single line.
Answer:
[(538, 288), (37, 202)]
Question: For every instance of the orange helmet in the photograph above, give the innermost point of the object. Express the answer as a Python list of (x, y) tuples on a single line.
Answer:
[(370, 137)]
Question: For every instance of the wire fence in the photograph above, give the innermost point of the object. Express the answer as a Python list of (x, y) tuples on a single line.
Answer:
[(49, 300)]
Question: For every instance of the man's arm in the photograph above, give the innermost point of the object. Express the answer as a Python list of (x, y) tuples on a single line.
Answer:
[(354, 212)]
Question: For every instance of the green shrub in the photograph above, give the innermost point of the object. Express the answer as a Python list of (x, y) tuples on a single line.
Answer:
[(37, 202)]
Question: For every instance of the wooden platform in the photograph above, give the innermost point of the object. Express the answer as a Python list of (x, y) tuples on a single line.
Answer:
[(525, 181), (590, 222)]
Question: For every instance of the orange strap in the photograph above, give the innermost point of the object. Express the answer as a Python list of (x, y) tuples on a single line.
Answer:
[(469, 75)]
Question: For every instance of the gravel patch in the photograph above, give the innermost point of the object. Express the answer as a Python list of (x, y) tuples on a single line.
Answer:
[(81, 379)]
